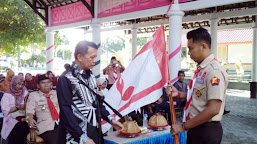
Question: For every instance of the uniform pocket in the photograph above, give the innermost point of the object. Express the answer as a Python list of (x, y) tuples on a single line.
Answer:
[(42, 103), (42, 117), (200, 91)]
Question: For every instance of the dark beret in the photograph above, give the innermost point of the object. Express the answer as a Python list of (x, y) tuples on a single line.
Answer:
[(42, 77)]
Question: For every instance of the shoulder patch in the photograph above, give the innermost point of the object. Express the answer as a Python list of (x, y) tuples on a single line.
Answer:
[(215, 81)]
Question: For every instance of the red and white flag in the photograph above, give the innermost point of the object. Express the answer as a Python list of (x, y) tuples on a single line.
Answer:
[(142, 81)]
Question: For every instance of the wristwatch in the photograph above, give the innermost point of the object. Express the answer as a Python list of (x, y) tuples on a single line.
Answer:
[(183, 124)]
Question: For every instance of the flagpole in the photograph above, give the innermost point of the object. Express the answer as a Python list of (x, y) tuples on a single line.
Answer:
[(172, 109)]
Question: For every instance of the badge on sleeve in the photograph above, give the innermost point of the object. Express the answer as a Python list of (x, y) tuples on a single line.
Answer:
[(215, 81)]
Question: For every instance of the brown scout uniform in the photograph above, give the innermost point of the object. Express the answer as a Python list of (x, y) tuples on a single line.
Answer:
[(37, 105), (211, 83)]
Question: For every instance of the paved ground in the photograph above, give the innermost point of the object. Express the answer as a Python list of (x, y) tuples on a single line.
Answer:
[(240, 125)]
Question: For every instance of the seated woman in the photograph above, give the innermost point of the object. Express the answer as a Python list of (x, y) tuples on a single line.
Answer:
[(15, 130), (102, 85), (4, 85), (52, 78), (30, 82)]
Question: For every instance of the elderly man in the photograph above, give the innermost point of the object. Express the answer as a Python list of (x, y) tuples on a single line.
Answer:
[(78, 116), (44, 105)]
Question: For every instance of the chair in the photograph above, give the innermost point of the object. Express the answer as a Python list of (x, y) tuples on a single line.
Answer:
[(32, 137)]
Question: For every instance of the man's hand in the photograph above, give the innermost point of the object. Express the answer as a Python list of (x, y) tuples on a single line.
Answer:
[(21, 106), (171, 88), (89, 141), (100, 93), (117, 125), (159, 101), (176, 128), (119, 63), (32, 123)]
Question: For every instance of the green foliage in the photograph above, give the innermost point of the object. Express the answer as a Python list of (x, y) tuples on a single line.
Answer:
[(141, 41), (59, 54), (64, 54), (184, 52), (67, 54), (113, 46), (34, 60), (19, 25), (58, 40)]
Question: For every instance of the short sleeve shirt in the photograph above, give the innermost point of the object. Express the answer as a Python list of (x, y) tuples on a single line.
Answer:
[(37, 105), (211, 83)]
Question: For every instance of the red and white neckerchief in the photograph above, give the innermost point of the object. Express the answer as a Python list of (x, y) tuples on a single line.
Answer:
[(190, 93), (115, 76)]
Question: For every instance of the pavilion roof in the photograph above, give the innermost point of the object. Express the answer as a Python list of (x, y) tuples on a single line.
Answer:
[(40, 7)]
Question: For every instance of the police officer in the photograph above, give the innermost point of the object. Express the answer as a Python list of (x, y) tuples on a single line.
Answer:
[(44, 105), (208, 94)]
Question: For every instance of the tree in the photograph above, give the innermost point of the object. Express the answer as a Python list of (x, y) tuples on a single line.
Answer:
[(19, 25), (64, 54), (113, 46), (34, 60), (141, 41), (59, 54)]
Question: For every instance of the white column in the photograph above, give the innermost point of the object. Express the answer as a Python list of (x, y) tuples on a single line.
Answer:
[(214, 36), (254, 55), (134, 41), (49, 50), (128, 47), (96, 38), (175, 33)]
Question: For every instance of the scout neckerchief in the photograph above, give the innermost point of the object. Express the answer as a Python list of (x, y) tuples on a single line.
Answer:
[(190, 93), (52, 108)]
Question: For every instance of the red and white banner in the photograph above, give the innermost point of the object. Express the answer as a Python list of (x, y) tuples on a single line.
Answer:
[(142, 81)]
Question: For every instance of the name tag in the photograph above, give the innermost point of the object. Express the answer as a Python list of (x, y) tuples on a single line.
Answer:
[(199, 80)]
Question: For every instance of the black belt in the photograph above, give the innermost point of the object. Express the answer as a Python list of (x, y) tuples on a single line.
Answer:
[(210, 123)]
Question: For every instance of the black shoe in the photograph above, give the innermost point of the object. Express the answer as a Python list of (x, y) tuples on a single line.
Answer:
[(226, 112)]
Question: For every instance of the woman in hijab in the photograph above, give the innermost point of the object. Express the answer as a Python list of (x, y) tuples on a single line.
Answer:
[(4, 86), (102, 85), (13, 100), (52, 78), (30, 82)]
